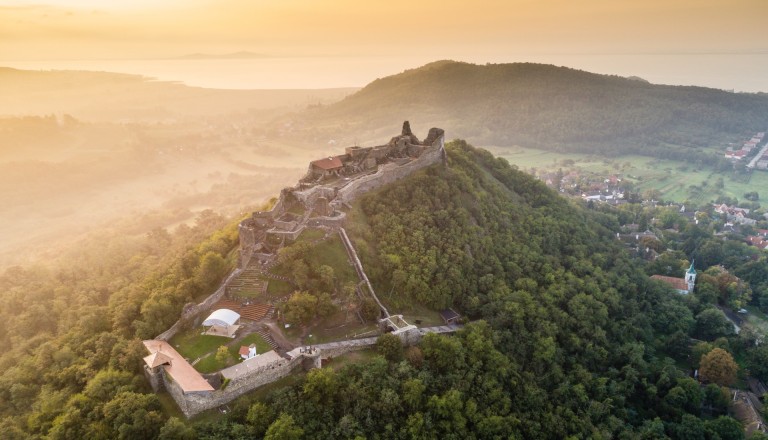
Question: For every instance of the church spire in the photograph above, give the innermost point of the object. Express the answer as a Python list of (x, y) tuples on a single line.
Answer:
[(690, 277)]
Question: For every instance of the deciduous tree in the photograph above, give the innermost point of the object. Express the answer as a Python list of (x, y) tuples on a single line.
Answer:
[(718, 367)]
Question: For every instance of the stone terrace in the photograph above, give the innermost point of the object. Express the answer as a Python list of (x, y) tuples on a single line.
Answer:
[(248, 283), (253, 312)]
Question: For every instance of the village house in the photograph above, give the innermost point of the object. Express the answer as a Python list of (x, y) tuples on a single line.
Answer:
[(757, 241), (734, 214), (248, 351)]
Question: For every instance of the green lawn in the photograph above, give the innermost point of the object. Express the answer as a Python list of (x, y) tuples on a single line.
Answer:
[(354, 357), (336, 327), (210, 364), (333, 253), (254, 338), (426, 316), (192, 345), (672, 178)]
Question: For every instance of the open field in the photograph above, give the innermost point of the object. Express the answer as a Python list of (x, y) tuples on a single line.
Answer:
[(674, 179)]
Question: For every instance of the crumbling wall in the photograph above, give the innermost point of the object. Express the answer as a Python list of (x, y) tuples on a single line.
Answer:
[(390, 173), (310, 195), (331, 222), (288, 235)]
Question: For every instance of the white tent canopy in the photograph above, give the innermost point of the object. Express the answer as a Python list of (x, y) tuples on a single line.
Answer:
[(222, 318)]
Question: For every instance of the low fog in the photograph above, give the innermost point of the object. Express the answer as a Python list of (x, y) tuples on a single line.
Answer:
[(85, 151)]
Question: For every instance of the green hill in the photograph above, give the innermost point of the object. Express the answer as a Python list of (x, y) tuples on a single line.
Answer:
[(572, 338), (550, 107)]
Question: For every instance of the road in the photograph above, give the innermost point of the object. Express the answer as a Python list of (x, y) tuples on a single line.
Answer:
[(757, 157)]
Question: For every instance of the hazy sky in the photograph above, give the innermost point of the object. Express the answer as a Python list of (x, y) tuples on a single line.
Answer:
[(99, 29), (335, 43)]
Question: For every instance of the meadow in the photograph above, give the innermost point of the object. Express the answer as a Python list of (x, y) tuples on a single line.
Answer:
[(677, 181)]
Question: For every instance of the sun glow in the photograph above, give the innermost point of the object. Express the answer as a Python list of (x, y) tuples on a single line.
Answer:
[(92, 4)]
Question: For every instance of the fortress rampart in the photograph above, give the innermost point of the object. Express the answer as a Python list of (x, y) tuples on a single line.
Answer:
[(316, 201), (332, 182)]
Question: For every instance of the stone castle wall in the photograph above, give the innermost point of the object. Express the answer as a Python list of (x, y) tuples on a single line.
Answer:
[(288, 235), (309, 196), (254, 230), (390, 173), (330, 222), (194, 403)]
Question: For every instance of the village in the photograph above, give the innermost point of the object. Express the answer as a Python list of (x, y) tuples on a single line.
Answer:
[(755, 150)]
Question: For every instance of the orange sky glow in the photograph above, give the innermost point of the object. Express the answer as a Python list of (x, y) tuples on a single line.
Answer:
[(89, 29), (489, 30)]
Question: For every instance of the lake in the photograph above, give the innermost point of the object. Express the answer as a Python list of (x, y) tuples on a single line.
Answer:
[(729, 71)]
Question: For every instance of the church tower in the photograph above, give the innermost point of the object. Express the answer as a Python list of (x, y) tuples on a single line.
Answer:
[(690, 277)]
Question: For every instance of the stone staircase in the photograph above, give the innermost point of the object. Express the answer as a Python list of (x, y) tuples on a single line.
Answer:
[(248, 283), (270, 340)]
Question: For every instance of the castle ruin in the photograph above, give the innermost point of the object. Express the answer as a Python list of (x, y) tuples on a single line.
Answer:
[(317, 200), (332, 183)]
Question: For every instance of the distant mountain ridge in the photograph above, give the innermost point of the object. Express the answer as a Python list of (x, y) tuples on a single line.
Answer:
[(227, 56), (106, 96), (550, 107)]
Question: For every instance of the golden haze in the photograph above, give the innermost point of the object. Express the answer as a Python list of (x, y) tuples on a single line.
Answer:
[(89, 29)]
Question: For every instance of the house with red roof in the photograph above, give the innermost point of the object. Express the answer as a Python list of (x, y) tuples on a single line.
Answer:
[(735, 155), (757, 241)]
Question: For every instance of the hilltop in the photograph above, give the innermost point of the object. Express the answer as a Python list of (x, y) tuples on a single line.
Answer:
[(572, 338), (549, 107)]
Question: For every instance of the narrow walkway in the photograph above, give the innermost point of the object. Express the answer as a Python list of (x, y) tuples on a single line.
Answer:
[(440, 329), (359, 268), (363, 342)]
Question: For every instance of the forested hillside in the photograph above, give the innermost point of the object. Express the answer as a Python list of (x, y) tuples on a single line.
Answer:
[(544, 106), (569, 336)]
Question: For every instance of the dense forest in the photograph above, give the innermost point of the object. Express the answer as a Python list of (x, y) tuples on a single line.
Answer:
[(548, 107), (569, 338), (71, 330)]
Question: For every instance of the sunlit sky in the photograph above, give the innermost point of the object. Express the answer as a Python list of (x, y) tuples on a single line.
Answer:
[(491, 30)]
